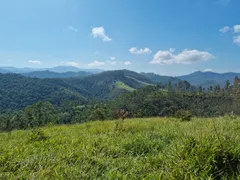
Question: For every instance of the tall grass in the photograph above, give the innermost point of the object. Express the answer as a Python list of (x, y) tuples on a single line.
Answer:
[(154, 148)]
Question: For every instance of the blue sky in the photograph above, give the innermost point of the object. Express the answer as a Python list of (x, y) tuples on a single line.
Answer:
[(168, 37)]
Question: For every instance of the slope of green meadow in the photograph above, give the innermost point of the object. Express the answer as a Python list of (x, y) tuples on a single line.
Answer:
[(154, 148), (122, 85)]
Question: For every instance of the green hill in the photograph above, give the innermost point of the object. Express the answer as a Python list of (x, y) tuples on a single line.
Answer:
[(164, 80), (103, 85), (156, 148), (17, 91)]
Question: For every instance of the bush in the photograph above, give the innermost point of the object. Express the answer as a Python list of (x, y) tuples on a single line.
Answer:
[(37, 135), (184, 115)]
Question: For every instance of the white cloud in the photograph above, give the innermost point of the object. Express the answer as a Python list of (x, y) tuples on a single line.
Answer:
[(225, 29), (99, 32), (71, 28), (112, 58), (34, 61), (184, 57), (236, 40), (70, 63), (207, 70), (96, 63), (113, 62), (135, 50), (127, 63), (236, 29)]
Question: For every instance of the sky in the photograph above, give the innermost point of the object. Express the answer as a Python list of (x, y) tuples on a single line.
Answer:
[(167, 37)]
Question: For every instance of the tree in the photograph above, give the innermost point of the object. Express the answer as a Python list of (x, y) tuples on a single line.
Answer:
[(217, 89), (227, 84), (40, 114)]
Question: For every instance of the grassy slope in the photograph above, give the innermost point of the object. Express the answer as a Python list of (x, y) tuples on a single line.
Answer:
[(121, 85), (154, 148)]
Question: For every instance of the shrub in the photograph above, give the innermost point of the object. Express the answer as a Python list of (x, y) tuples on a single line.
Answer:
[(184, 115), (37, 135)]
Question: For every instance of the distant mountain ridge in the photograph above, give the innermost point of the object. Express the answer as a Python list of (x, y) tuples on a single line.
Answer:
[(162, 79), (198, 78), (206, 79), (57, 69), (50, 74)]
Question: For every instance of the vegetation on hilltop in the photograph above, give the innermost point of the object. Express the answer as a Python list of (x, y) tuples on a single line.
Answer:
[(17, 92)]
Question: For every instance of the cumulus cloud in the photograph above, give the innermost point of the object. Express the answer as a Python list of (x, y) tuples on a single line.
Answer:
[(96, 63), (184, 57), (225, 29), (135, 50), (236, 29), (71, 28), (99, 32), (127, 63), (34, 61), (112, 58), (113, 62), (236, 40)]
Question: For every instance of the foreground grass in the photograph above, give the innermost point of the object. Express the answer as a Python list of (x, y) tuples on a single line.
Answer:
[(156, 148)]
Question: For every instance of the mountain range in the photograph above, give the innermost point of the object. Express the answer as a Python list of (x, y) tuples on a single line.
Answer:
[(18, 91), (19, 88), (206, 79), (57, 69)]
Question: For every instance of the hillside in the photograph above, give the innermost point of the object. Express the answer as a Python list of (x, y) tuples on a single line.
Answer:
[(207, 79), (157, 148), (50, 74), (17, 92), (161, 79), (106, 85)]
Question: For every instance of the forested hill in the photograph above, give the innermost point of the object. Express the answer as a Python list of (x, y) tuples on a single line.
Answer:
[(161, 79), (105, 85), (17, 91)]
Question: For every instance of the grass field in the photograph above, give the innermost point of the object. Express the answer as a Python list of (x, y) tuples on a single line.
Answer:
[(154, 148), (122, 85)]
